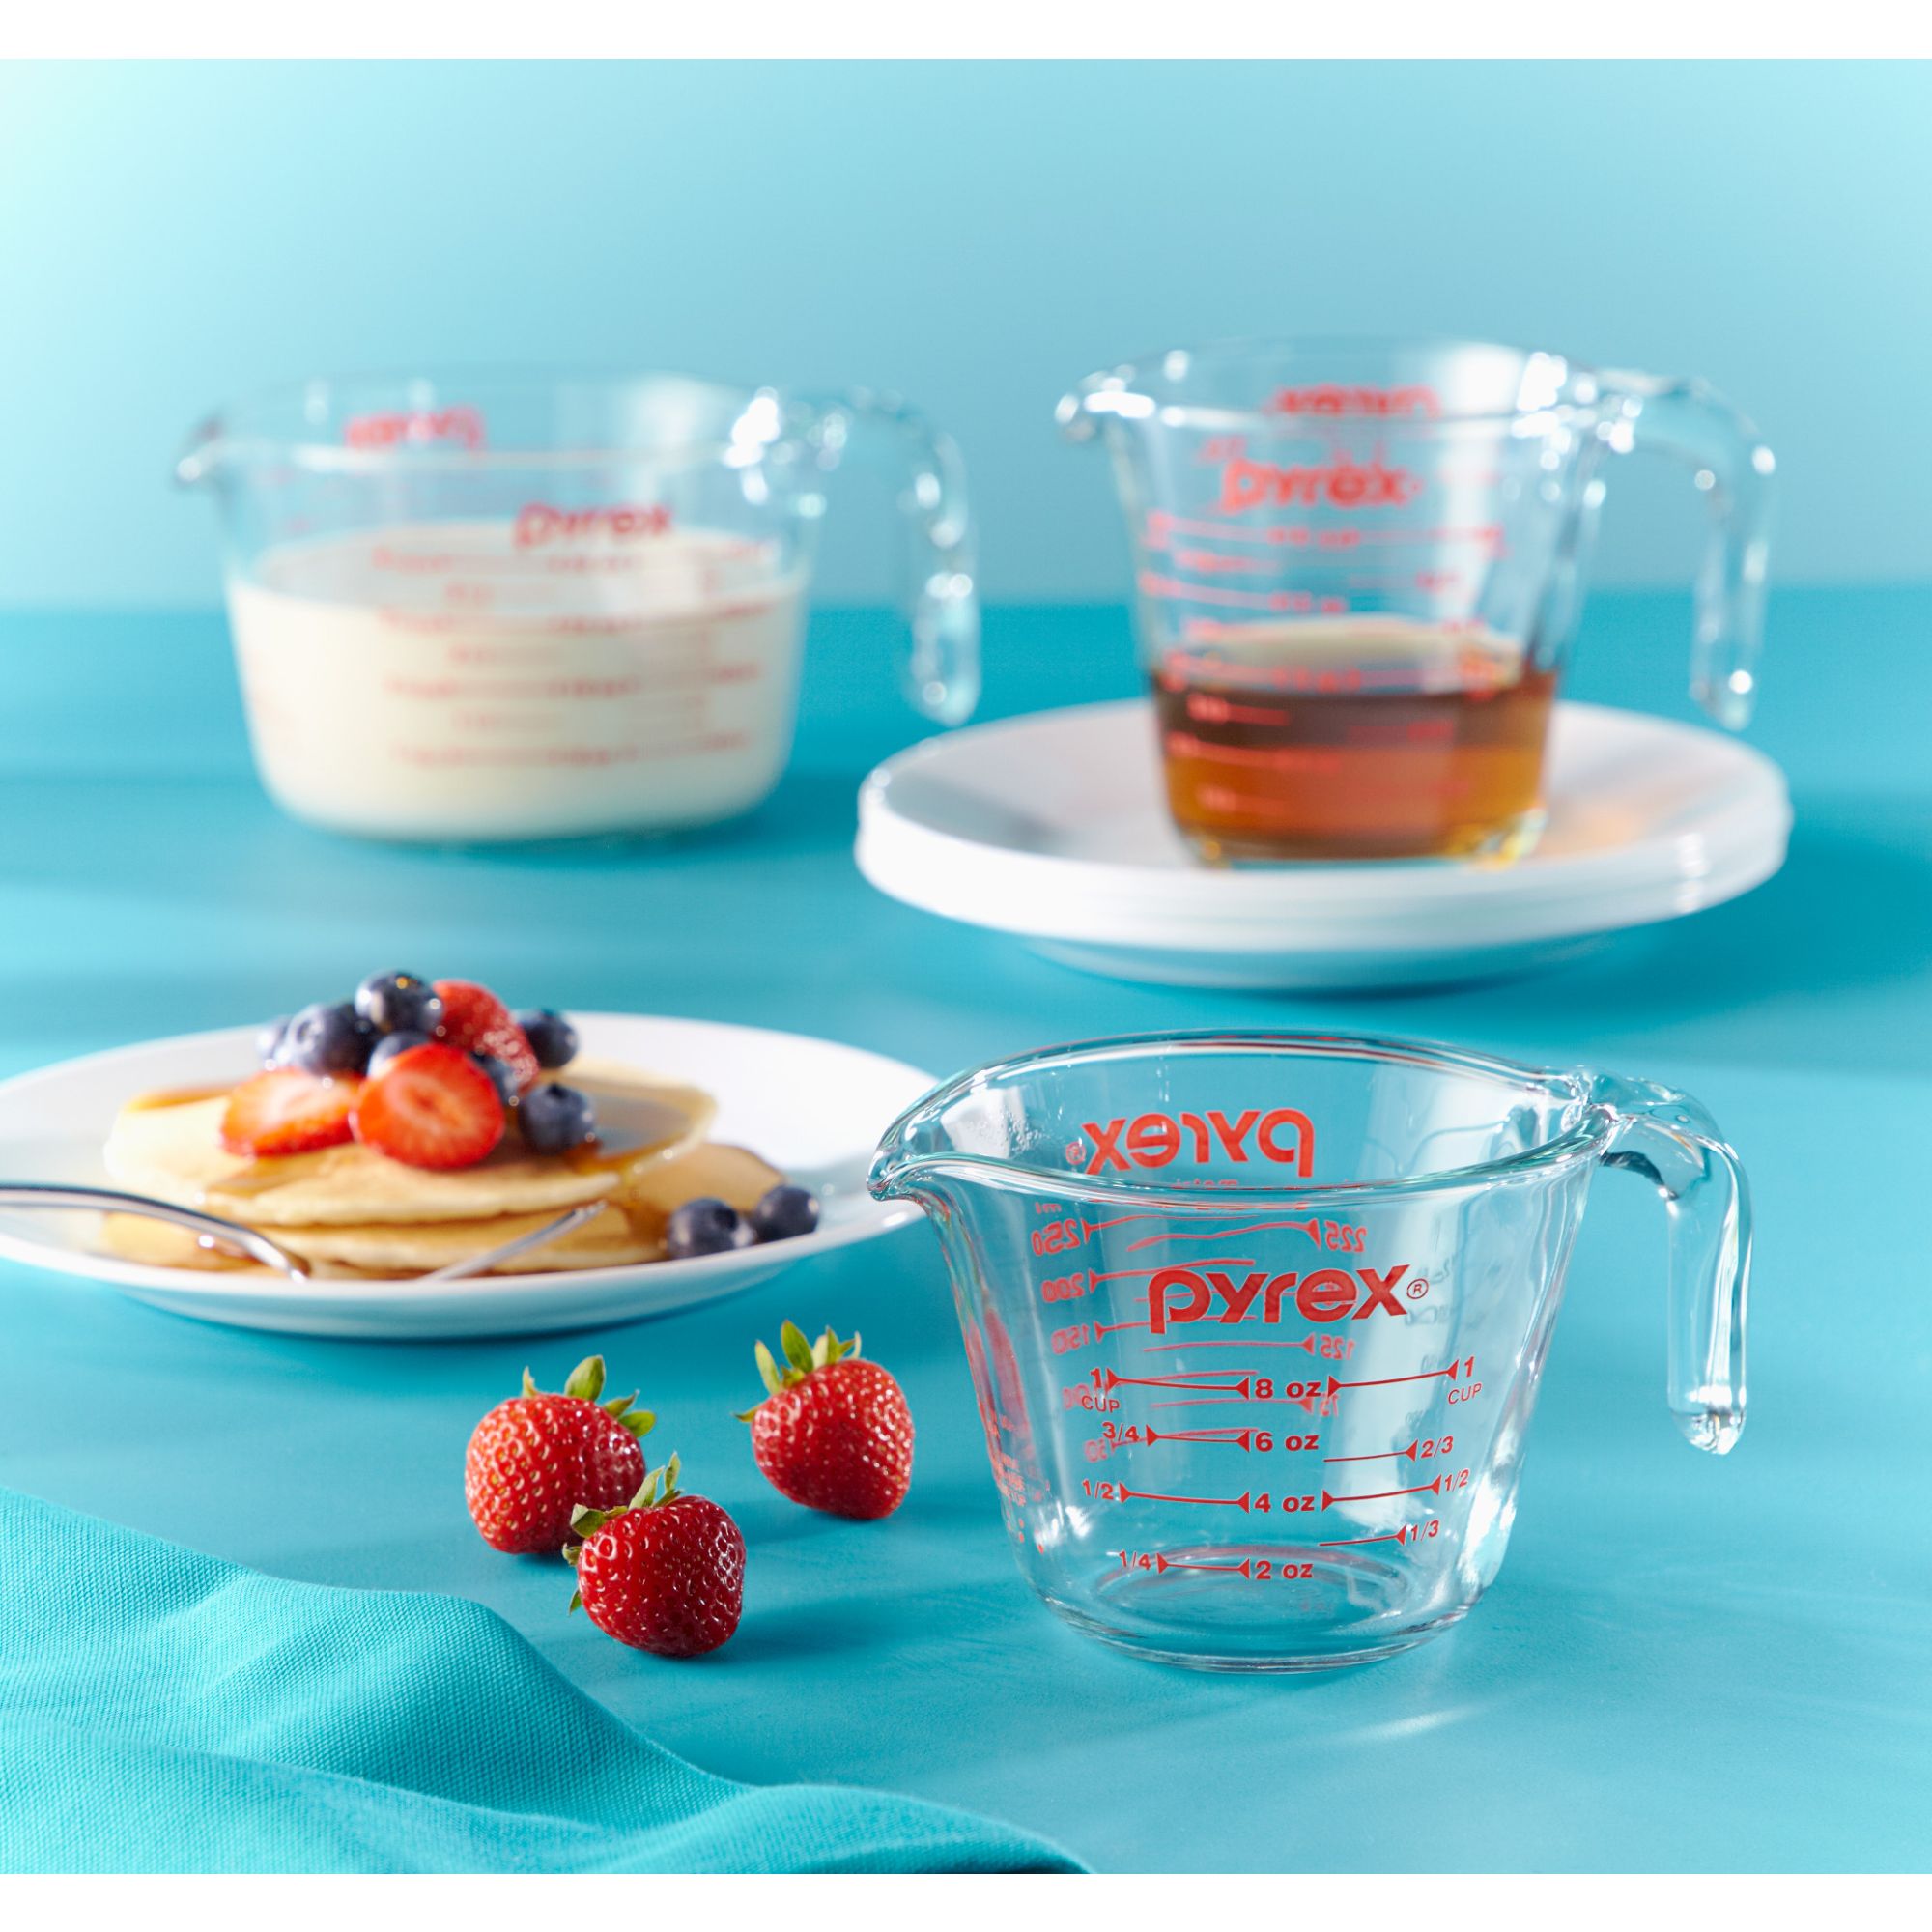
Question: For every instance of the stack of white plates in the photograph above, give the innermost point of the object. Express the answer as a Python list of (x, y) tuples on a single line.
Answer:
[(1054, 828)]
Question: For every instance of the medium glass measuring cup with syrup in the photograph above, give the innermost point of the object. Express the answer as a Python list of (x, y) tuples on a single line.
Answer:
[(1358, 567), (1256, 1320)]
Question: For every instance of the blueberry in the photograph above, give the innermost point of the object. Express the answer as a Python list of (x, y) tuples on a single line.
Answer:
[(706, 1226), (268, 1042), (503, 1077), (328, 1039), (555, 1119), (399, 1003), (783, 1212), (552, 1038), (391, 1044)]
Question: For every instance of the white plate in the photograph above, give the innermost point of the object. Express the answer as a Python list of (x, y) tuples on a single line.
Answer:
[(810, 1107), (1054, 827)]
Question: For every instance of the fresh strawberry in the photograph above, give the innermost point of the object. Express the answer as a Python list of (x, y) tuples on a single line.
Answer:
[(664, 1573), (289, 1112), (834, 1432), (535, 1458), (476, 1021), (432, 1106)]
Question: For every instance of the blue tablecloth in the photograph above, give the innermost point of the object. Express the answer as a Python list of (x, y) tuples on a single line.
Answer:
[(163, 1710), (1685, 1663)]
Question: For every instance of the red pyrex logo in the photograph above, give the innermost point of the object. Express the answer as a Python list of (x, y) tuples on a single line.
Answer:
[(461, 423), (539, 524), (1246, 484), (1177, 1296), (1152, 1140), (1335, 398)]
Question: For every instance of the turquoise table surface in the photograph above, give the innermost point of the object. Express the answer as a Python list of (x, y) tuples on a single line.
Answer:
[(1685, 1663)]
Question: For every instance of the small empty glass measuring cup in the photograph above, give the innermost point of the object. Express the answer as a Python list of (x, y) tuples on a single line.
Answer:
[(1358, 567), (532, 606), (1256, 1320)]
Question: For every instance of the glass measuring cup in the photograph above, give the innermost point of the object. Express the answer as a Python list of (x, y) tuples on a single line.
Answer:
[(1256, 1320), (1358, 567), (531, 605)]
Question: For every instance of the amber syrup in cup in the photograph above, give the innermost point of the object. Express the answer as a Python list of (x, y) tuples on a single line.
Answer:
[(1383, 740)]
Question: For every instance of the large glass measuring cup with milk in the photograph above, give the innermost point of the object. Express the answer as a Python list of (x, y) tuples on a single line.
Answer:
[(525, 607), (1256, 1321), (1358, 569)]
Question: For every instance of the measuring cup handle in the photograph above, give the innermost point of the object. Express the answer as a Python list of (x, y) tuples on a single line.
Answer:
[(1688, 419), (939, 669), (1673, 1143)]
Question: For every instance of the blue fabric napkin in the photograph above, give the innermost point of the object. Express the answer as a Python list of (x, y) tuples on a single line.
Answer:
[(165, 1711)]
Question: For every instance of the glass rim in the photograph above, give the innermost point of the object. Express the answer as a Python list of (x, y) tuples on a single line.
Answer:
[(1581, 1141), (234, 435), (1120, 381)]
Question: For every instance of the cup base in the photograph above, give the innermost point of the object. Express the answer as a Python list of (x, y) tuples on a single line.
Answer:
[(1157, 1650), (1496, 845), (1269, 1607)]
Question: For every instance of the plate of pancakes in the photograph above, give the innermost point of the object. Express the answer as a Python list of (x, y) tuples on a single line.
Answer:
[(685, 1109)]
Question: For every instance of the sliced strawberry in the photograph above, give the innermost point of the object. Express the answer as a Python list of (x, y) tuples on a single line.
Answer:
[(476, 1021), (432, 1106), (286, 1111)]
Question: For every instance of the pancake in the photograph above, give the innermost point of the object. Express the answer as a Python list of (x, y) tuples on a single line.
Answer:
[(132, 1238), (169, 1146), (384, 1250)]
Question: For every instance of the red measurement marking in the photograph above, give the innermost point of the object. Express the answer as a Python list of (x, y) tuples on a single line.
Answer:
[(1408, 1533), (1306, 1345), (1209, 709), (1434, 1488), (1183, 1382), (1245, 1437), (1240, 1569), (1115, 1327), (1162, 527), (1310, 1228), (1453, 1372), (1210, 560), (1265, 757), (1239, 1502), (1305, 1403), (1380, 1456), (1152, 585), (1205, 1261)]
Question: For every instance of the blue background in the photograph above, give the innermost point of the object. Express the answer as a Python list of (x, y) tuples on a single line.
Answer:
[(976, 235)]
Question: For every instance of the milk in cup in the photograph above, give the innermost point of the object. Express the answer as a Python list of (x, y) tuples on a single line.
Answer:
[(554, 674)]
